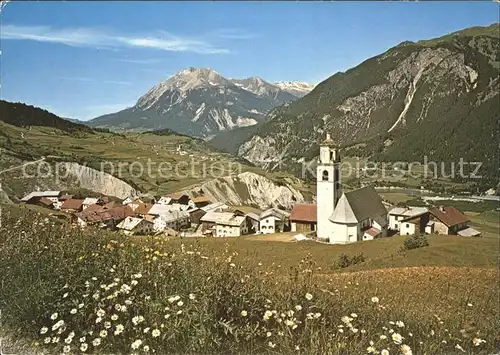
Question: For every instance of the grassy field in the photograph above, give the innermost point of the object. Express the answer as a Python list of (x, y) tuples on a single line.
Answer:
[(66, 290), (164, 170)]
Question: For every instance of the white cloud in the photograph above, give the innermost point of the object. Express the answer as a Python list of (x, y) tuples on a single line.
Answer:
[(98, 38), (233, 33)]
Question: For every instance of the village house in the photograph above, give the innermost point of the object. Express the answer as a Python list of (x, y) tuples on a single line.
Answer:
[(158, 209), (45, 202), (72, 205), (449, 220), (253, 222), (414, 225), (34, 197), (408, 220), (103, 216), (136, 226), (231, 226), (195, 215), (179, 198), (89, 201), (128, 200), (162, 200), (303, 218), (273, 220), (215, 207), (209, 221), (142, 209), (345, 217), (201, 201), (175, 220)]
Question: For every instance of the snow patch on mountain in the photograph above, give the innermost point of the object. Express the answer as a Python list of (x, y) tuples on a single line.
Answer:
[(199, 111), (297, 88)]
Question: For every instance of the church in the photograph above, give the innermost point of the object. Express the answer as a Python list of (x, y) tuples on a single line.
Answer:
[(345, 217)]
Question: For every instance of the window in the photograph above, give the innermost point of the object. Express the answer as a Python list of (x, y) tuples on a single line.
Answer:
[(407, 225), (325, 175), (331, 155)]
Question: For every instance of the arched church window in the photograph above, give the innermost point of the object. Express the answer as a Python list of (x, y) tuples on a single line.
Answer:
[(325, 175)]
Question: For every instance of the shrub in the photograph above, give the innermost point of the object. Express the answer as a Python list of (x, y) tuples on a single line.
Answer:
[(415, 241), (345, 260)]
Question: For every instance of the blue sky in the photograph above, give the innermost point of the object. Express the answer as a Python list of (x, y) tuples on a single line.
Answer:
[(83, 59)]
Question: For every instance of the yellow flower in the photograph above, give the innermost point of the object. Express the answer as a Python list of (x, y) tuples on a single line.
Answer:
[(244, 313), (309, 296)]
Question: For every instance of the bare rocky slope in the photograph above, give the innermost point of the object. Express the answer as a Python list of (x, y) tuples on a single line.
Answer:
[(437, 98), (250, 189)]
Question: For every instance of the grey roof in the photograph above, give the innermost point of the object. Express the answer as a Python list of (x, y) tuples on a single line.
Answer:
[(40, 194), (214, 206), (276, 212), (408, 212), (469, 232), (359, 205), (253, 216), (173, 216)]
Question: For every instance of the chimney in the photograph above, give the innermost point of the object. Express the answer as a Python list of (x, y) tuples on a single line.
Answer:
[(328, 136), (441, 208)]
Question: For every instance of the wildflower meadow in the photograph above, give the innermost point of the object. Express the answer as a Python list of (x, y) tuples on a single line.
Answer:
[(73, 291)]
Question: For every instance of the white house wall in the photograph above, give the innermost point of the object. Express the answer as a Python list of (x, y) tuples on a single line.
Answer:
[(407, 228)]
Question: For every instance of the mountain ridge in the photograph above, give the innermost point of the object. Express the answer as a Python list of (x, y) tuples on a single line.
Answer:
[(415, 99), (199, 102)]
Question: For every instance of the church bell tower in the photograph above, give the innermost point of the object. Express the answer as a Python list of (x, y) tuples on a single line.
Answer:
[(328, 186)]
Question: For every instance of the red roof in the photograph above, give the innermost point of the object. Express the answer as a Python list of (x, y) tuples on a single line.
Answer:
[(177, 196), (116, 214), (109, 205), (201, 199), (143, 208), (449, 216), (92, 208), (46, 201), (373, 231), (72, 204), (304, 212), (120, 213)]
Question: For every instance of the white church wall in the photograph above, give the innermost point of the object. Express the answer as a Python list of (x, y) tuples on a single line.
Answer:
[(344, 233)]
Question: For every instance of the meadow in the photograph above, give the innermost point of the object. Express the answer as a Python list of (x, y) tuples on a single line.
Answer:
[(164, 170), (73, 291)]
